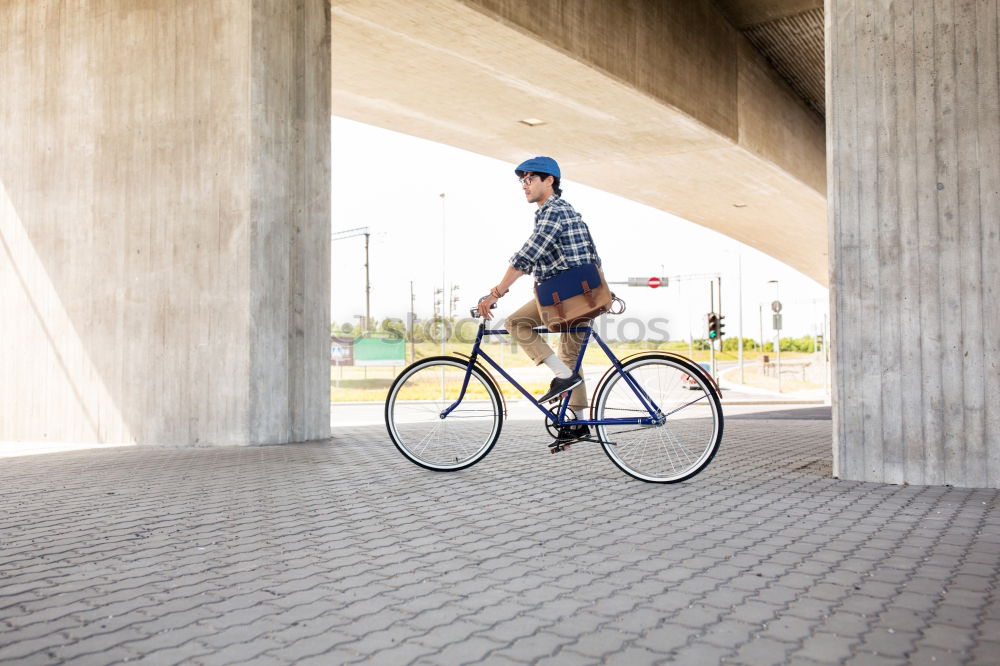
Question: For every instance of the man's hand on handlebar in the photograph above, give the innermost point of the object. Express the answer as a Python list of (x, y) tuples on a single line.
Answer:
[(486, 303)]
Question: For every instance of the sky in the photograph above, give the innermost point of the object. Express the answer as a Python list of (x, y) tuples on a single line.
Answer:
[(392, 183)]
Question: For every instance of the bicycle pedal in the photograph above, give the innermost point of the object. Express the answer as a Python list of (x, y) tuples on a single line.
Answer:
[(556, 448)]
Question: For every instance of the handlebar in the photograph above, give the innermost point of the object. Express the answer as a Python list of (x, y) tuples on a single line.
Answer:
[(474, 312)]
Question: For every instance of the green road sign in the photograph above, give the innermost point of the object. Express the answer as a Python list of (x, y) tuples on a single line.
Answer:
[(380, 351)]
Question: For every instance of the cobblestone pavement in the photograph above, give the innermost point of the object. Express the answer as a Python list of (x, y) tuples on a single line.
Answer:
[(341, 551)]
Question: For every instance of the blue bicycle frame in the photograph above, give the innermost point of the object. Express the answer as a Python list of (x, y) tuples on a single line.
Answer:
[(656, 416)]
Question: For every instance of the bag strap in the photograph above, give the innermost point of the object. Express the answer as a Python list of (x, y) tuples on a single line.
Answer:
[(558, 305)]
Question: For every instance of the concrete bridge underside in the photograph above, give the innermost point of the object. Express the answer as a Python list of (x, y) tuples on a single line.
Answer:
[(165, 183), (665, 103)]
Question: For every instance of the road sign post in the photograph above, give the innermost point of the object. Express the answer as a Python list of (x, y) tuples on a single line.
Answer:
[(651, 282), (776, 322)]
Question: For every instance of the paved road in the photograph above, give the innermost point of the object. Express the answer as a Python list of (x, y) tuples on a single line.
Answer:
[(373, 413), (341, 551), (789, 413)]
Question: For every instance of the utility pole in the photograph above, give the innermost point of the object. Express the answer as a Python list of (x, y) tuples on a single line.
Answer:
[(760, 320), (739, 328), (718, 279), (352, 233), (413, 322), (368, 285), (690, 318), (439, 311), (453, 302), (711, 342)]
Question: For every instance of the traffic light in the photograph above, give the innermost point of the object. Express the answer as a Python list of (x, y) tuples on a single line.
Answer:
[(721, 326), (713, 326)]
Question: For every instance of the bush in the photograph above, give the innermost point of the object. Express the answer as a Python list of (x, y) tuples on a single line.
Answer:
[(733, 344), (805, 344)]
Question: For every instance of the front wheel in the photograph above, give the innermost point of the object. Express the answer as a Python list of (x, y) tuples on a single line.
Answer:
[(426, 424), (689, 428)]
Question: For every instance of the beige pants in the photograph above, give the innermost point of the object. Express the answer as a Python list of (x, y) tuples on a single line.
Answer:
[(520, 325)]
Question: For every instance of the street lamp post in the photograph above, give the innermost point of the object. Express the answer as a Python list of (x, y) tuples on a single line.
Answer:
[(444, 254)]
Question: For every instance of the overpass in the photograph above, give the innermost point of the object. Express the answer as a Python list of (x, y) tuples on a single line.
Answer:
[(663, 103), (164, 191)]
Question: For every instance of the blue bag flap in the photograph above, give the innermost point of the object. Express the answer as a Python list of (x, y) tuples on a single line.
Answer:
[(568, 284)]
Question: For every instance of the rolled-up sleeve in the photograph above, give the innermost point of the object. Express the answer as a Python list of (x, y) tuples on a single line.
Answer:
[(541, 240)]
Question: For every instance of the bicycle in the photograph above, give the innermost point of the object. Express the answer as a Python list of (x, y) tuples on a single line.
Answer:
[(445, 413)]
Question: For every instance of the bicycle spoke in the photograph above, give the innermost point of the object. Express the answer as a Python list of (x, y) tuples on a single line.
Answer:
[(415, 425), (674, 443), (674, 411), (427, 438), (675, 448)]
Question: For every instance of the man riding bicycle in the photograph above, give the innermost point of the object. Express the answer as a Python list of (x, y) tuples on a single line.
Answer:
[(559, 241)]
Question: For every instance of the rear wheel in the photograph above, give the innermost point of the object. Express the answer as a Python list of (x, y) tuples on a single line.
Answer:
[(415, 414), (689, 428)]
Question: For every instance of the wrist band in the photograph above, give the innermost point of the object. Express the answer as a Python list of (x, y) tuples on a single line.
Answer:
[(496, 293)]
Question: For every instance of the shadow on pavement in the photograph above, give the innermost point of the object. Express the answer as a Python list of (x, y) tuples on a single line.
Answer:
[(818, 413)]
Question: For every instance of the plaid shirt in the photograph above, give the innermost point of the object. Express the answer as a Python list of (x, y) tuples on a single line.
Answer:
[(560, 240)]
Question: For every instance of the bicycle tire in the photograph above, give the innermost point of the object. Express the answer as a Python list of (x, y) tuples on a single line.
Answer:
[(687, 439), (414, 405)]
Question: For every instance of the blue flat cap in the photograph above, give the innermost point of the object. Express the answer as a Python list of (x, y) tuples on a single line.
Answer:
[(540, 165)]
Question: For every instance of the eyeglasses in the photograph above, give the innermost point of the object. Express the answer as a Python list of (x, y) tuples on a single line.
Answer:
[(527, 179)]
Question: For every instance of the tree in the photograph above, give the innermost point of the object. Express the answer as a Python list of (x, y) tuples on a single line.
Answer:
[(394, 327), (345, 329)]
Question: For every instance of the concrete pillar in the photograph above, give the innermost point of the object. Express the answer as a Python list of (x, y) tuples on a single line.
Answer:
[(164, 221), (914, 202)]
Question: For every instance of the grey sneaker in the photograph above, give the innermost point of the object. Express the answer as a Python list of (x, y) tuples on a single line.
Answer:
[(560, 386)]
